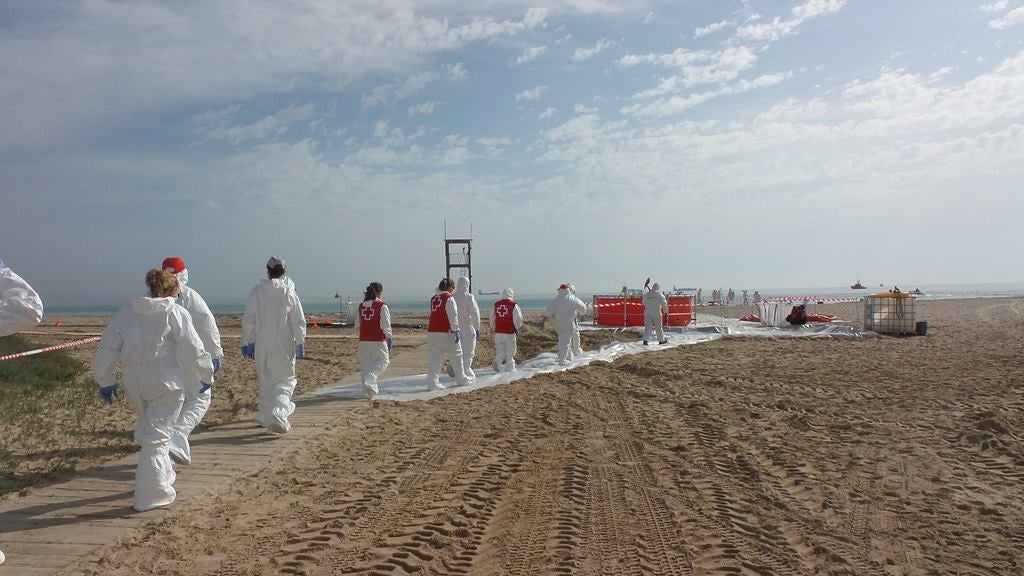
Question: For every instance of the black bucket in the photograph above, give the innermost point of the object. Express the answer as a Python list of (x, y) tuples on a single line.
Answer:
[(921, 328)]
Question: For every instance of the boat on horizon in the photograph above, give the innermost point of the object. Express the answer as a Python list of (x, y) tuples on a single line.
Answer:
[(482, 293), (858, 286)]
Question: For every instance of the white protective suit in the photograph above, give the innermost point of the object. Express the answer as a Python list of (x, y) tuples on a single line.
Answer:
[(161, 354), (274, 321), (505, 344), (655, 306), (441, 345), (374, 356), (563, 309), (469, 321), (196, 402), (20, 306), (575, 347)]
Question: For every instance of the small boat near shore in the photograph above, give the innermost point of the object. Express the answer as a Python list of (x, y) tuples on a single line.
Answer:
[(858, 286)]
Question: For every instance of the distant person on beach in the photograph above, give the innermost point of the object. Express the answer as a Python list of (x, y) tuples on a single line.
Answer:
[(374, 337), (443, 337), (274, 335), (162, 355), (757, 296), (730, 297), (563, 310), (197, 398), (798, 315), (655, 309), (506, 321), (575, 347), (469, 322), (20, 305)]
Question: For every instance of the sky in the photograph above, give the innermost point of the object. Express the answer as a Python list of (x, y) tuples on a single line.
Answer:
[(744, 143)]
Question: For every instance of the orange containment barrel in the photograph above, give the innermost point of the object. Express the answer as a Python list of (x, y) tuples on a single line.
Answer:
[(618, 311)]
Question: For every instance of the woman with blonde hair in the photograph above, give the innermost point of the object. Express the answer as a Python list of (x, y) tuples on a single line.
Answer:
[(160, 351)]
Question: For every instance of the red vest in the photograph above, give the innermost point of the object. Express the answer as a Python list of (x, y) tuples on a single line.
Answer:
[(503, 323), (439, 313), (369, 322)]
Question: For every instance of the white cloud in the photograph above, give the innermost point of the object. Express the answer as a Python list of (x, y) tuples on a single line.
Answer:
[(710, 29), (581, 54), (547, 113), (457, 71), (779, 28), (998, 6), (213, 125), (95, 63), (1014, 17), (530, 54), (531, 94), (424, 109), (697, 67), (398, 90), (680, 103)]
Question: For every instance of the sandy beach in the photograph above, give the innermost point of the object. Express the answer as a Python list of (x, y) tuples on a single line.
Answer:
[(742, 456)]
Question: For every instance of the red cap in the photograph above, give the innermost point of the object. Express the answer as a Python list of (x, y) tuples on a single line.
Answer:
[(174, 265), (563, 287)]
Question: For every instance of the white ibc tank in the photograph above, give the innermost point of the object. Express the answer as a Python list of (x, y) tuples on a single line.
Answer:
[(890, 313)]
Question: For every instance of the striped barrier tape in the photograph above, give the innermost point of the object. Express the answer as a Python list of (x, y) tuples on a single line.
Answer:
[(71, 344), (809, 299)]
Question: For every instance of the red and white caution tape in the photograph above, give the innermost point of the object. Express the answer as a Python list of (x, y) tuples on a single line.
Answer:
[(63, 346), (809, 299)]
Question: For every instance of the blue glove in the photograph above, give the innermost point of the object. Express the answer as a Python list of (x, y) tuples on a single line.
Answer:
[(2, 265), (456, 336), (389, 344), (542, 321), (476, 334), (205, 387), (108, 393), (516, 331), (216, 365), (249, 351), (300, 351)]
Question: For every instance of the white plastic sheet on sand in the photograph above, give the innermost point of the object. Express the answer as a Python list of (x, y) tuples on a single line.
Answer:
[(414, 387)]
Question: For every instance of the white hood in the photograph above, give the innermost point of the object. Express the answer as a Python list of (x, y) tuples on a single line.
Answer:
[(507, 294), (182, 277), (462, 285), (146, 305)]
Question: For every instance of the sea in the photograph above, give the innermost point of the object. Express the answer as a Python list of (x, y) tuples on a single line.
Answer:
[(313, 305)]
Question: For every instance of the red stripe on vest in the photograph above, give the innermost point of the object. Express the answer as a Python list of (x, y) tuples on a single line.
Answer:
[(369, 322), (439, 313), (503, 316)]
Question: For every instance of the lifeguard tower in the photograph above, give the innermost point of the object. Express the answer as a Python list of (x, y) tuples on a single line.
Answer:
[(458, 255)]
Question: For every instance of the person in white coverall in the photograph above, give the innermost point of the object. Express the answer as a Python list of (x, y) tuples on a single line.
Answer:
[(506, 321), (20, 309), (274, 335), (161, 354), (374, 337), (443, 337), (563, 309), (469, 322), (575, 348), (197, 398), (20, 305), (655, 307)]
